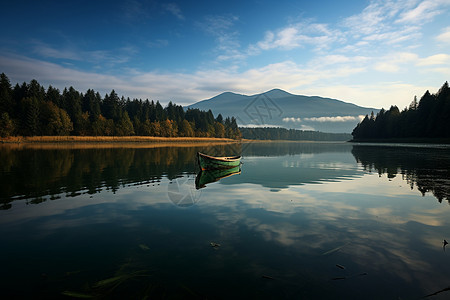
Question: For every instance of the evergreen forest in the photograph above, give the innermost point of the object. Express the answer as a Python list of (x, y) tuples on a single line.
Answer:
[(30, 110), (425, 119), (278, 133)]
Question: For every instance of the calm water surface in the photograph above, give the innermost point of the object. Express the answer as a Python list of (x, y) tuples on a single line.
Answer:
[(300, 221)]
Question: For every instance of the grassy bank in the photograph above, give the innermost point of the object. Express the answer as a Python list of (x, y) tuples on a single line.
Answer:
[(85, 142), (111, 139)]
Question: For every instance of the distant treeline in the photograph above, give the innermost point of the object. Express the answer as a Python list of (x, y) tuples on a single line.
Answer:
[(428, 118), (278, 133), (30, 110)]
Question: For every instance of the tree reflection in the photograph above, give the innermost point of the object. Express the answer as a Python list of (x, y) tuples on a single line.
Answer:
[(38, 175), (428, 169)]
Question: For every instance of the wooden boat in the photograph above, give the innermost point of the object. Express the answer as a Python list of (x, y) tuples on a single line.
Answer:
[(208, 176), (207, 162)]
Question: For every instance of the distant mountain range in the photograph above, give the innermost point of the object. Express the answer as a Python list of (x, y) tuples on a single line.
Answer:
[(278, 108)]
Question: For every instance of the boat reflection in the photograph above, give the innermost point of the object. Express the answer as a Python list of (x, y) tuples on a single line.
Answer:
[(208, 176)]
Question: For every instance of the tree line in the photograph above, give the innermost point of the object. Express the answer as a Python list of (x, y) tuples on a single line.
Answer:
[(427, 118), (278, 133), (30, 110)]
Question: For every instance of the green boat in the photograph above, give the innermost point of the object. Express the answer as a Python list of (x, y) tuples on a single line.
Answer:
[(208, 176), (207, 162)]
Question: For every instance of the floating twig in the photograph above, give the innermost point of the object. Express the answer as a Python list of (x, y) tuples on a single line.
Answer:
[(438, 292), (335, 249)]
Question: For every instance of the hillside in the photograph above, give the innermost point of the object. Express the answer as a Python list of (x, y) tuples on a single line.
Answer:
[(282, 109)]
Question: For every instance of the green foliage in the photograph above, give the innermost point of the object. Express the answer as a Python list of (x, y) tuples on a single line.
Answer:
[(55, 120), (30, 116), (186, 129), (124, 126), (6, 100), (427, 118), (6, 125), (30, 110)]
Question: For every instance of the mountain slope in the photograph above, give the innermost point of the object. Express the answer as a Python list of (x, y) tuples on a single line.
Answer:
[(282, 109)]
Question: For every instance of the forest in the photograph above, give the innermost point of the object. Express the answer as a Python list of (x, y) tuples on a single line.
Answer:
[(30, 110), (422, 120), (278, 133)]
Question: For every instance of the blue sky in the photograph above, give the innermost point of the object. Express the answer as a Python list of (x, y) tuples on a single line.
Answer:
[(371, 53)]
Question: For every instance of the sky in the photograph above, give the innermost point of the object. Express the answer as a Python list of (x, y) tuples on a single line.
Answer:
[(371, 53)]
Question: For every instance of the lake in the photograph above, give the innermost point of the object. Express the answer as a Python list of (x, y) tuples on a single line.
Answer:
[(297, 221)]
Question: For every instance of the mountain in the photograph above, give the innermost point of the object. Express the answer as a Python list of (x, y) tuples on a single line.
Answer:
[(281, 109)]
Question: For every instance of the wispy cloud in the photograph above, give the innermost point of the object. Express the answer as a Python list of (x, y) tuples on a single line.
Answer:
[(203, 84), (109, 57), (423, 12), (299, 35), (312, 58), (222, 28), (394, 62), (444, 37), (438, 59), (392, 22), (47, 51), (133, 11), (158, 43), (175, 10)]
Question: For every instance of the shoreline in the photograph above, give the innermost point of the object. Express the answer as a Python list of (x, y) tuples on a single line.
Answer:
[(106, 142), (403, 141), (110, 139)]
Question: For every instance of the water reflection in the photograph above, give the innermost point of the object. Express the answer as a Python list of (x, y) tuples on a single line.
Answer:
[(426, 168), (287, 226), (40, 175), (209, 176)]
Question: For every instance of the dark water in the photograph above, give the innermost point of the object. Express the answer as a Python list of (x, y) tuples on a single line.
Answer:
[(301, 221)]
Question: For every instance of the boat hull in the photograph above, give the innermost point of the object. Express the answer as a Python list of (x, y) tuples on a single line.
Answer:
[(209, 176), (207, 162)]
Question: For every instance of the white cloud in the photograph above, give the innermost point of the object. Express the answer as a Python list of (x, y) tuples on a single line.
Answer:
[(393, 23), (292, 119), (47, 51), (108, 57), (221, 27), (334, 119), (203, 84), (438, 59), (395, 36), (444, 37), (258, 125), (376, 95), (323, 119), (299, 35), (369, 21), (394, 62), (175, 10), (158, 43), (423, 12)]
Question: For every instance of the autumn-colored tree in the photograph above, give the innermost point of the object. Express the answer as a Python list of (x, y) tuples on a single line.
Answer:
[(186, 129), (55, 120), (219, 129)]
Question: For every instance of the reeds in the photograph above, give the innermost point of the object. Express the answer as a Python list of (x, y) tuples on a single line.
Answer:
[(87, 142), (109, 139)]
